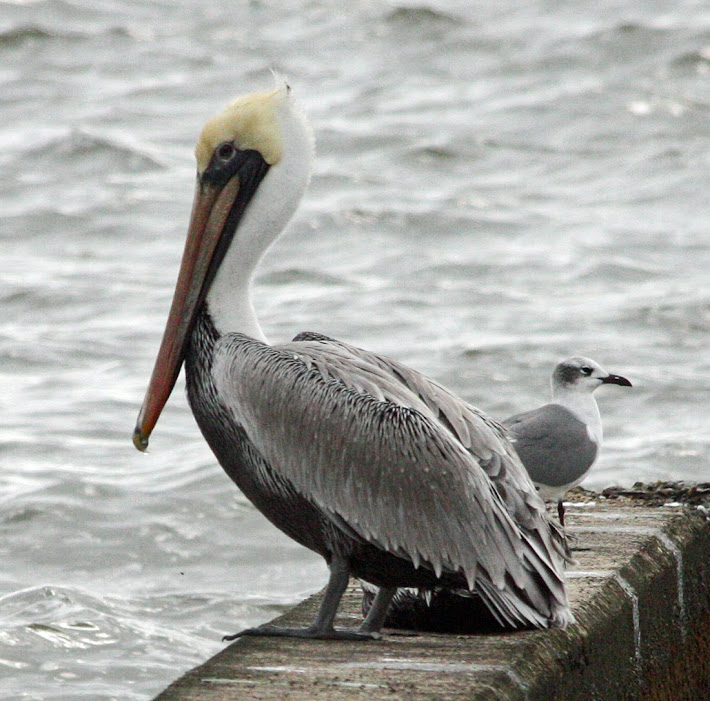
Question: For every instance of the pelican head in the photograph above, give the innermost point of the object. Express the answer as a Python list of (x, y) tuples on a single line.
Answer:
[(579, 374), (253, 164)]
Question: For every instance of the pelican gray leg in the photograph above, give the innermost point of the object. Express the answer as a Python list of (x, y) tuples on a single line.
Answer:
[(375, 618), (322, 627)]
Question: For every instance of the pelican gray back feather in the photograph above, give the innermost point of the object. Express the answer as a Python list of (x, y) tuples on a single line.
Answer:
[(402, 463), (483, 437)]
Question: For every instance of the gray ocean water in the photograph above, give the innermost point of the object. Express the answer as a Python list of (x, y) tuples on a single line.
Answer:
[(497, 186)]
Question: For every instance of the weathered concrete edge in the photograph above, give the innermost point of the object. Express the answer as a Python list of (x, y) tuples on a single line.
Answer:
[(644, 617), (643, 601)]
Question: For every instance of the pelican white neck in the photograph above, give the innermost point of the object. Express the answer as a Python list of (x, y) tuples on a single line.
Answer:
[(285, 140)]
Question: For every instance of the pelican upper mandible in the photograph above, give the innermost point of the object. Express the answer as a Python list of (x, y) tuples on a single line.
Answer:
[(386, 474)]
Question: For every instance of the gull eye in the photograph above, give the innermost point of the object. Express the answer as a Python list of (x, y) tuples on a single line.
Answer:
[(225, 151), (586, 370)]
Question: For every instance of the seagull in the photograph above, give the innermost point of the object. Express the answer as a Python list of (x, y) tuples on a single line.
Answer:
[(383, 472), (559, 442)]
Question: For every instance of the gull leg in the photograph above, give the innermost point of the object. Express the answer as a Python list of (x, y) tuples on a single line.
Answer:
[(375, 618), (322, 627), (561, 512)]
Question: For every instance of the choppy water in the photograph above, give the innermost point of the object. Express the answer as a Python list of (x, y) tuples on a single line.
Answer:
[(498, 185)]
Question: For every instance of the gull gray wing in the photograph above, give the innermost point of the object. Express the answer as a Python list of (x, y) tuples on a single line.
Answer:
[(349, 434), (553, 444)]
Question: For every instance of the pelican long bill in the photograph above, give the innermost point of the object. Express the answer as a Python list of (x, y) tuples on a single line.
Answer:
[(211, 207)]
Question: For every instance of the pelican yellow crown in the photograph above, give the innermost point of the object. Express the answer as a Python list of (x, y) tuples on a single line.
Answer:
[(250, 122)]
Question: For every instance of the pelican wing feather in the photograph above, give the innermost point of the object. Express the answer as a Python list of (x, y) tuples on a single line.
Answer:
[(349, 432), (484, 438), (487, 442)]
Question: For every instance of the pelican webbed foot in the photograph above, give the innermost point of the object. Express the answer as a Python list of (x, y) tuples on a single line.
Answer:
[(322, 627), (313, 633)]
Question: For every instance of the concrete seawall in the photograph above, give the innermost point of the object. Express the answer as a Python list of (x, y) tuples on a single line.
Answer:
[(640, 590)]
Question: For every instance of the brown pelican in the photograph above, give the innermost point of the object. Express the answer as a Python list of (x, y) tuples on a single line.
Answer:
[(559, 442), (383, 472)]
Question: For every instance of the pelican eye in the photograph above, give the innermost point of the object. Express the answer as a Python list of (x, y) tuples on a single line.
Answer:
[(586, 370), (225, 151)]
